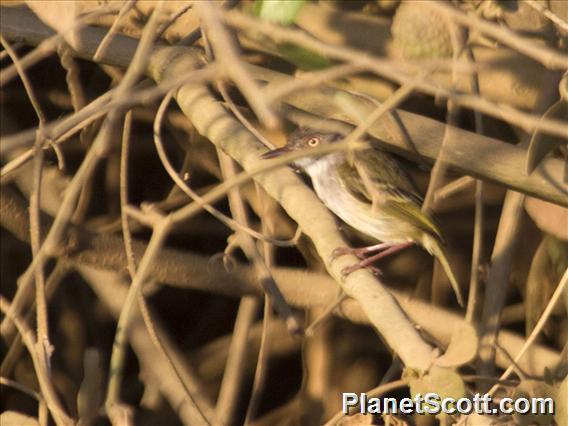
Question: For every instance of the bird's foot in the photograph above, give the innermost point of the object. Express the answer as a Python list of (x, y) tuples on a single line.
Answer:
[(383, 249), (361, 265), (360, 252), (342, 251)]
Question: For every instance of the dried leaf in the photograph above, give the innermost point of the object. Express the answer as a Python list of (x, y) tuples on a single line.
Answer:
[(541, 143), (59, 15), (550, 218)]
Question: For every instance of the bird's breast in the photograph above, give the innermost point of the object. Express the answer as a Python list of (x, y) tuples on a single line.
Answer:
[(362, 216)]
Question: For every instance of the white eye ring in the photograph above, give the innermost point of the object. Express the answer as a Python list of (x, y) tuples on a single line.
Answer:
[(313, 141)]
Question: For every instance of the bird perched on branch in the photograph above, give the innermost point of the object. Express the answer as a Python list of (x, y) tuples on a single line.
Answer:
[(369, 191)]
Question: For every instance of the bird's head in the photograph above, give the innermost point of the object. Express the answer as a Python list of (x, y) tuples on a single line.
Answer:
[(305, 139)]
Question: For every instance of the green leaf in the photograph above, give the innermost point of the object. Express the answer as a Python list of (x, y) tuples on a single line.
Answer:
[(281, 12), (302, 58)]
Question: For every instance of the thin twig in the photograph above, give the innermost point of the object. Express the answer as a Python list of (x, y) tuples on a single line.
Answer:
[(261, 371), (453, 111), (232, 382), (47, 390), (12, 356), (479, 220), (229, 222), (123, 190), (72, 77), (160, 231), (43, 345), (278, 90), (24, 389), (272, 292), (172, 19), (325, 314), (251, 251), (557, 20), (508, 235), (366, 121), (20, 70), (453, 187), (562, 286), (550, 58), (226, 53), (103, 46)]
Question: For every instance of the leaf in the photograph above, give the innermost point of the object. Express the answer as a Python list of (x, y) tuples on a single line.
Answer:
[(301, 57), (13, 418), (550, 218), (281, 12), (542, 143), (539, 288), (462, 348), (59, 15), (284, 12)]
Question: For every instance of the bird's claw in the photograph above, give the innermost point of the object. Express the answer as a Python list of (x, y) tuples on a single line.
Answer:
[(342, 251), (360, 265)]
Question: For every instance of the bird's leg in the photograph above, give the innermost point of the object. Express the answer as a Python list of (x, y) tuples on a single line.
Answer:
[(386, 250), (360, 252)]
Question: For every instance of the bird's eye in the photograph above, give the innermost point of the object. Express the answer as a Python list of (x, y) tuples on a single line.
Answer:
[(313, 141)]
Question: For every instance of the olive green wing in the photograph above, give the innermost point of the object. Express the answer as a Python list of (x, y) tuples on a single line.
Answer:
[(374, 176), (412, 214)]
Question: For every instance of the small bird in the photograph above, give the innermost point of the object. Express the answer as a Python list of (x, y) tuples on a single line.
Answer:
[(369, 191)]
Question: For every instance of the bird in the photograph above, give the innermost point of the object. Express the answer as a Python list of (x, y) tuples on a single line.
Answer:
[(368, 190)]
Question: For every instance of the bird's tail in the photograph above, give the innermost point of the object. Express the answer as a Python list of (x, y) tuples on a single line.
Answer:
[(433, 246)]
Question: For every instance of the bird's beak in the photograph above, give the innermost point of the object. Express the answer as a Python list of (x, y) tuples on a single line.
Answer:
[(275, 153)]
